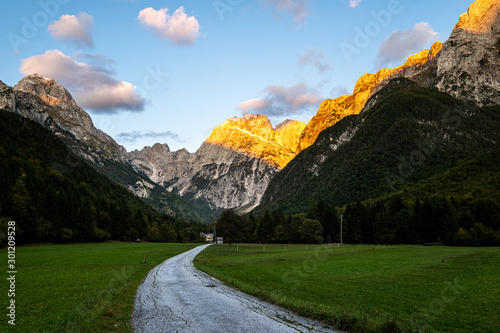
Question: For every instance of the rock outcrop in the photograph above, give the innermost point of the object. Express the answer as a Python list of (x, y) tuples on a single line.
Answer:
[(45, 101), (66, 114), (215, 175), (333, 110), (467, 67), (480, 17), (254, 135)]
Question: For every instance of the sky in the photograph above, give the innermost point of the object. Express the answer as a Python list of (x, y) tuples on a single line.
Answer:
[(171, 71)]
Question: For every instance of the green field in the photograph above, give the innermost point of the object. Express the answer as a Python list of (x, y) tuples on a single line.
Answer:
[(369, 289), (80, 288)]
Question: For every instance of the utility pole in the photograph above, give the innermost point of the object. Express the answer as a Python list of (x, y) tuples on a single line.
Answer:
[(341, 220), (215, 234)]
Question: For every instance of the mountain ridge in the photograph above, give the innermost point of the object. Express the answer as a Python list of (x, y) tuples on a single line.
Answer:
[(452, 67), (410, 134), (48, 103), (254, 135), (234, 165)]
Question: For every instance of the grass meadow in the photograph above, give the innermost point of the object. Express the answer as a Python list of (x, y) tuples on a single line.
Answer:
[(80, 288), (369, 288)]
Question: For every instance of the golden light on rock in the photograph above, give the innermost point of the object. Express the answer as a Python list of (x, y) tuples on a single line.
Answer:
[(333, 110), (254, 135), (480, 16)]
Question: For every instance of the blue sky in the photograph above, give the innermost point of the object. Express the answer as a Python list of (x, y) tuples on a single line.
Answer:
[(147, 74)]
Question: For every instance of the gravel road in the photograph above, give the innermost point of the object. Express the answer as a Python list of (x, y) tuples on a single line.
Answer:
[(176, 297)]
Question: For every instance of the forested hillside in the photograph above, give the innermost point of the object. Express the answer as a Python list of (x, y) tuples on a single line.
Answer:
[(460, 206), (418, 167), (410, 134), (56, 197)]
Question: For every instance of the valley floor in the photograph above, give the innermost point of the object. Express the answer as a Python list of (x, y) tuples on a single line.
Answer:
[(80, 287), (369, 288), (176, 297)]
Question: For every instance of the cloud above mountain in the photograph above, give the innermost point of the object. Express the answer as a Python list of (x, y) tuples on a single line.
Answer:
[(280, 100), (297, 9), (93, 87), (402, 43), (178, 28), (354, 3), (134, 136), (316, 59), (76, 29)]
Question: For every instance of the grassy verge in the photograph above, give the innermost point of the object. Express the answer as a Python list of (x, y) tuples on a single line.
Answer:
[(80, 288), (369, 289)]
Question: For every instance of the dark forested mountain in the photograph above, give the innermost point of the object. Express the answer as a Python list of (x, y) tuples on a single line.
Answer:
[(397, 136), (407, 161), (460, 206), (54, 196), (410, 134), (48, 103)]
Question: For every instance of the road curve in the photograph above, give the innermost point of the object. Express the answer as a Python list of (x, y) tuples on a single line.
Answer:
[(176, 297)]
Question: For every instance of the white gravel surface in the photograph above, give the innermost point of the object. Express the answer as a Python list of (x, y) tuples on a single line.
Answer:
[(176, 297)]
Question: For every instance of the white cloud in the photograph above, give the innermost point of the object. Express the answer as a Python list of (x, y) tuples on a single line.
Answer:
[(316, 59), (254, 104), (134, 136), (75, 29), (179, 28), (280, 100), (91, 86), (354, 3), (400, 44), (98, 60), (297, 9)]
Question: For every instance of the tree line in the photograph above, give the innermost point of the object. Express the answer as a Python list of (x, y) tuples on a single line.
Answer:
[(391, 220), (53, 196)]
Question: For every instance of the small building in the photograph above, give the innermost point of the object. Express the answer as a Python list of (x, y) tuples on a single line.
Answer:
[(209, 238)]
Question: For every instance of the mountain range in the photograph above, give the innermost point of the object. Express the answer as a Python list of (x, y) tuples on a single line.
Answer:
[(356, 147), (400, 125)]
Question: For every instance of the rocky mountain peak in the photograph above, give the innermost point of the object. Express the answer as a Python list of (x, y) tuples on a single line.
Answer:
[(480, 16), (332, 110), (287, 124), (47, 102), (468, 67), (161, 147), (46, 88), (288, 133), (255, 136)]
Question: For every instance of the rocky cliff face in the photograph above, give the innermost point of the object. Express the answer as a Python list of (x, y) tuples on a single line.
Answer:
[(231, 169), (51, 105), (254, 135), (333, 110), (64, 111), (215, 175), (467, 67)]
